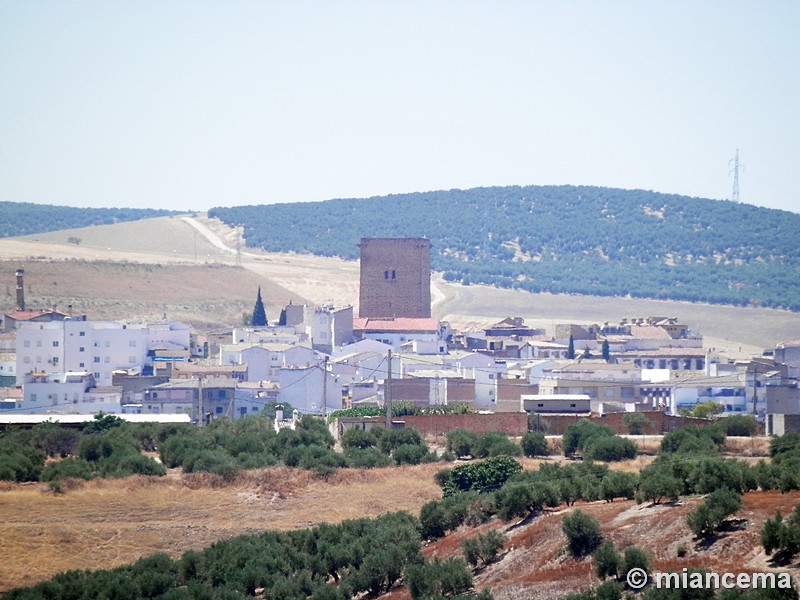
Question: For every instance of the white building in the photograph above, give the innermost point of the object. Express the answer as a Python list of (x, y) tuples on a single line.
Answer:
[(265, 360), (310, 389), (66, 393), (99, 347)]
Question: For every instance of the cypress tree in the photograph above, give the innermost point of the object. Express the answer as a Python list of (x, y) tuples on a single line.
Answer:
[(259, 314), (606, 351), (571, 348)]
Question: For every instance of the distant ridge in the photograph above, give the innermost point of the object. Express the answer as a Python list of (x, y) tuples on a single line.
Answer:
[(25, 218), (560, 239)]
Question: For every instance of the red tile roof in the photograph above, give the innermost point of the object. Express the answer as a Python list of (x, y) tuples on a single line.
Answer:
[(650, 332), (397, 325), (27, 315)]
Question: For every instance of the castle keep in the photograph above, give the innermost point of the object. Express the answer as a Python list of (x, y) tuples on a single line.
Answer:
[(395, 278)]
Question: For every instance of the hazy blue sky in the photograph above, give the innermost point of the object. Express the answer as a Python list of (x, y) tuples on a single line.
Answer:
[(197, 104)]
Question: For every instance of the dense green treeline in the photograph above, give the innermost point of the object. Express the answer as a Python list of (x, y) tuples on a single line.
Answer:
[(24, 218), (560, 239)]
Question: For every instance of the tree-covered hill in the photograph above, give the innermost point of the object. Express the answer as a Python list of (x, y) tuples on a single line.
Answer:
[(560, 239), (24, 218)]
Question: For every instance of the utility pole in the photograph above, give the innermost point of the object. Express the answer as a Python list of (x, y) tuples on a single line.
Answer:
[(325, 386), (200, 401), (387, 391)]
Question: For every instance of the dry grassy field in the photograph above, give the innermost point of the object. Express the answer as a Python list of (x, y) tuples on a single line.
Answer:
[(105, 523), (200, 291)]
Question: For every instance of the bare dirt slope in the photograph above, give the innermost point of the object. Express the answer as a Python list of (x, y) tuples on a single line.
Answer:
[(534, 564), (201, 242)]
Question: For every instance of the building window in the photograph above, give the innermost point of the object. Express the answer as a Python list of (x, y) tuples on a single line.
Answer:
[(491, 375), (33, 397), (218, 410), (26, 360), (82, 365), (27, 343), (96, 375), (55, 360), (82, 334), (97, 359), (572, 405), (540, 405), (107, 359), (55, 343), (38, 343), (81, 349)]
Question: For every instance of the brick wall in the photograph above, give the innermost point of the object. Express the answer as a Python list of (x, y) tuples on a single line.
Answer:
[(512, 424), (662, 423)]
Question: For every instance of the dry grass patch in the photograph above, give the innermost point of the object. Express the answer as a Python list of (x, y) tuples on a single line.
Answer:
[(106, 523)]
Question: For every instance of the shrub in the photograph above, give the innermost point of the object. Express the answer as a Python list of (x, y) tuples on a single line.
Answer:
[(610, 449), (617, 484), (489, 474), (356, 438), (367, 458), (693, 440), (494, 443), (637, 423), (483, 548), (122, 464), (94, 448), (634, 558), (437, 578), (782, 536), (394, 438), (60, 441), (583, 533), (534, 444), (461, 442), (739, 425), (479, 511), (75, 468), (784, 444), (656, 483), (606, 560), (706, 519), (432, 520), (577, 435), (211, 461), (20, 463), (537, 423), (520, 498), (412, 454)]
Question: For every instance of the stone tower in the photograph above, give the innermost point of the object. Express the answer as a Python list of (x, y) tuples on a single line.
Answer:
[(395, 278)]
